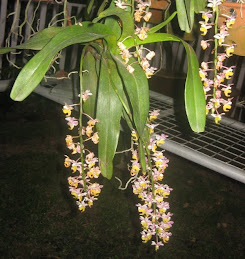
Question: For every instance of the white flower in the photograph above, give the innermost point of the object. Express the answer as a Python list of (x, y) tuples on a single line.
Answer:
[(121, 4)]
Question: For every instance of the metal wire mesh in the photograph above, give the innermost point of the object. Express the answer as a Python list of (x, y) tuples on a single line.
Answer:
[(221, 142)]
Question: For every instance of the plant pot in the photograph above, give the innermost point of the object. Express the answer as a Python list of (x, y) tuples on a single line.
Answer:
[(157, 9), (237, 32)]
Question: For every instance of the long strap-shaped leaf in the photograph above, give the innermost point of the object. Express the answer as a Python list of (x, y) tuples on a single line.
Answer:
[(33, 72), (90, 82), (136, 85), (162, 24), (109, 112), (38, 41), (195, 104), (185, 9)]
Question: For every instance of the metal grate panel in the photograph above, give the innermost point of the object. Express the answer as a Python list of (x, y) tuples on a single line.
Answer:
[(224, 144)]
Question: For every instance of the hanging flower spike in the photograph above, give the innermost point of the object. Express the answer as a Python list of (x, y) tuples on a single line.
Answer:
[(216, 85), (154, 220), (85, 167)]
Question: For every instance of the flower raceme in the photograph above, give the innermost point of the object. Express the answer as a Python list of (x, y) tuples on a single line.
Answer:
[(215, 89), (154, 220), (141, 12), (85, 167)]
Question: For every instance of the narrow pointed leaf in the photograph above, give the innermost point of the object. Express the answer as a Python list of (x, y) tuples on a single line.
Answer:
[(136, 85), (185, 9), (33, 72), (109, 110), (195, 104), (90, 82), (162, 24)]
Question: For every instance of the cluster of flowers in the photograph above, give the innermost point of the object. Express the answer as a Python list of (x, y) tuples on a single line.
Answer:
[(216, 91), (152, 209), (85, 167), (141, 13)]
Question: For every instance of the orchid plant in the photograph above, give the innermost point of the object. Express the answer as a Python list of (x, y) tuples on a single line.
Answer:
[(114, 71)]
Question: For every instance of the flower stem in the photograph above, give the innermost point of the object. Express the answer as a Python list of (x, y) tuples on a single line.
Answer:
[(81, 118), (215, 46)]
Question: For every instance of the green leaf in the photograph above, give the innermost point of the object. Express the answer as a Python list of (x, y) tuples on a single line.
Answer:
[(109, 111), (38, 41), (153, 37), (112, 23), (200, 5), (124, 16), (33, 72), (185, 10), (162, 24), (141, 151), (194, 95), (195, 104), (137, 88), (90, 82)]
